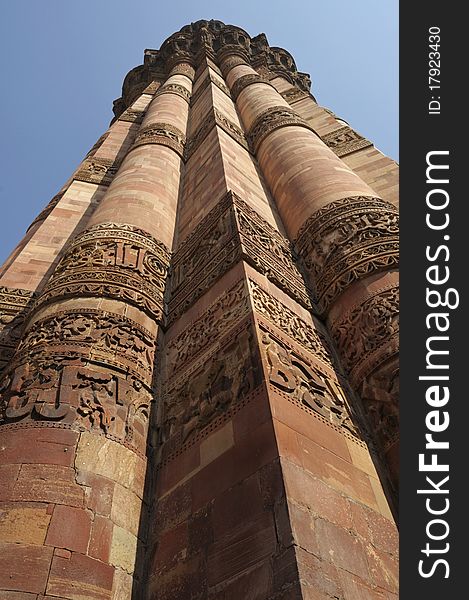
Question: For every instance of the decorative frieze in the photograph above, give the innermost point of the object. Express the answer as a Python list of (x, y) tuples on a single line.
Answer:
[(303, 382), (368, 334), (293, 94), (245, 80), (272, 119), (345, 140), (345, 241), (315, 340), (208, 80), (163, 134), (221, 316), (132, 116), (113, 261), (231, 232), (97, 336), (211, 387), (63, 392), (97, 170), (174, 88), (15, 305)]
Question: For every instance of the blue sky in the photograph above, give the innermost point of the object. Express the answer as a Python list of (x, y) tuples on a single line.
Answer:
[(63, 63)]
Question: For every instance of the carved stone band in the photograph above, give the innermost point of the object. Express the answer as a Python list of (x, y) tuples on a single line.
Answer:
[(345, 140), (132, 116), (293, 94), (113, 261), (246, 80), (97, 170), (272, 119), (15, 304), (97, 336), (163, 134), (345, 241), (231, 232), (174, 88), (63, 391), (368, 334)]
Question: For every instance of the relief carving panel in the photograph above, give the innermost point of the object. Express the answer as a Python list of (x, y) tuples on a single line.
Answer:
[(345, 241), (60, 392), (231, 232), (212, 387), (97, 170), (114, 261), (345, 140), (304, 383)]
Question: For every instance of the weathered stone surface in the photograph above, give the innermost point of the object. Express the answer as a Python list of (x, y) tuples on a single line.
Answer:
[(80, 578), (23, 567), (111, 460), (123, 549), (70, 528), (24, 522)]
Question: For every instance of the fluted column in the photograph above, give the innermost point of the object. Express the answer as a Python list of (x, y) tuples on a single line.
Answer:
[(345, 235), (77, 395)]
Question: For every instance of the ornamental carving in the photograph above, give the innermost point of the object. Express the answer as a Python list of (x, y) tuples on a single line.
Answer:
[(131, 115), (368, 334), (345, 241), (90, 333), (114, 261), (304, 384), (44, 392), (163, 134), (345, 140), (15, 305), (223, 314), (380, 395), (175, 88), (293, 94), (97, 170), (231, 232), (312, 339), (245, 80), (203, 39), (212, 387), (272, 119)]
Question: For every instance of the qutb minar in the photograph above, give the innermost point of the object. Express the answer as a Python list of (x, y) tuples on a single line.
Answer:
[(198, 347)]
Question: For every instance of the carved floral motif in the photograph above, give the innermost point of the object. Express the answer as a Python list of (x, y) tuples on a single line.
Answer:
[(366, 329), (94, 334), (227, 310), (280, 315)]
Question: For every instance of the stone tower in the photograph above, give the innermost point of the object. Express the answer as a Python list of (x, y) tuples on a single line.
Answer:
[(198, 347)]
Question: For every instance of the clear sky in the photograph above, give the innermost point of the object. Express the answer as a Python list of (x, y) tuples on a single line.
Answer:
[(63, 62)]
